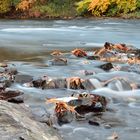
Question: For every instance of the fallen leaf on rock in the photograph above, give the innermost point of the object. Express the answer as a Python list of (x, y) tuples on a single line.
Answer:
[(79, 53), (78, 104)]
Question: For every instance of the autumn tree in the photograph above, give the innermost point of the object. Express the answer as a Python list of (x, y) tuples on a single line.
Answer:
[(25, 5), (4, 6), (101, 7)]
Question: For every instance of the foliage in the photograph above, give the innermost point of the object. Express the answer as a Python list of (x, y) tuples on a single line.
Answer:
[(4, 6), (138, 4), (101, 7), (56, 8), (25, 5), (82, 6), (15, 2)]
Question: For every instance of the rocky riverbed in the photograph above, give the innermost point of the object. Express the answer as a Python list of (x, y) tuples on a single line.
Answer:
[(83, 94)]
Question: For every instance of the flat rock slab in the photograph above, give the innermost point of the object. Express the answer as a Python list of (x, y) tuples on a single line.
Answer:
[(17, 123)]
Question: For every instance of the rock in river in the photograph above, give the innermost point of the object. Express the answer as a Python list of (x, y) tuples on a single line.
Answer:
[(59, 61), (106, 66), (17, 123)]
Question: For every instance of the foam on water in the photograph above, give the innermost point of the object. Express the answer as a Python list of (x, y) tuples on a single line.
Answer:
[(113, 23), (22, 30), (111, 93)]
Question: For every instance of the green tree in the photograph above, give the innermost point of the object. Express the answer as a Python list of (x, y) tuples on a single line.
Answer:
[(5, 6)]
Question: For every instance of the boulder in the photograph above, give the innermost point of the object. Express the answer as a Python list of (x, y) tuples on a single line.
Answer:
[(106, 66), (7, 94), (91, 84), (119, 85), (56, 83), (17, 123)]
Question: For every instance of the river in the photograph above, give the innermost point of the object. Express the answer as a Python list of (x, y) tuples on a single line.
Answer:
[(27, 44)]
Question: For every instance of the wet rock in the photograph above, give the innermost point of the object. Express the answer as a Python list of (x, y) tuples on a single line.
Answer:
[(59, 61), (17, 123), (106, 66), (74, 83), (3, 65), (64, 116), (12, 71), (88, 72), (7, 94), (91, 103), (91, 84), (79, 53), (21, 78), (39, 83), (107, 126), (78, 104), (109, 54), (94, 123), (6, 79), (56, 83), (93, 57), (17, 100), (119, 85)]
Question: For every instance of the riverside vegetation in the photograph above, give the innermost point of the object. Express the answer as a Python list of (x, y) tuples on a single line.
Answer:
[(69, 8)]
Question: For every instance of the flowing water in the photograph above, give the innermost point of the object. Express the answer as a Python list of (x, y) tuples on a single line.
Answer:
[(27, 45)]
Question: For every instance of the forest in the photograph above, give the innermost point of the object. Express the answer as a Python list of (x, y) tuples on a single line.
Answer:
[(69, 8)]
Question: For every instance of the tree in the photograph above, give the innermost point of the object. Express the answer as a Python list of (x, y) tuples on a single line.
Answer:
[(25, 5), (5, 6), (105, 7)]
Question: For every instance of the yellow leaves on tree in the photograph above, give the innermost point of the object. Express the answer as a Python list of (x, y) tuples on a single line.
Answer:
[(126, 6), (98, 7), (25, 5), (4, 6)]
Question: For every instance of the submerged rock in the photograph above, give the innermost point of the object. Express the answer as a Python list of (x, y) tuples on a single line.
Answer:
[(59, 61), (17, 123), (91, 84), (21, 78), (56, 53), (106, 66), (93, 57), (119, 85)]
